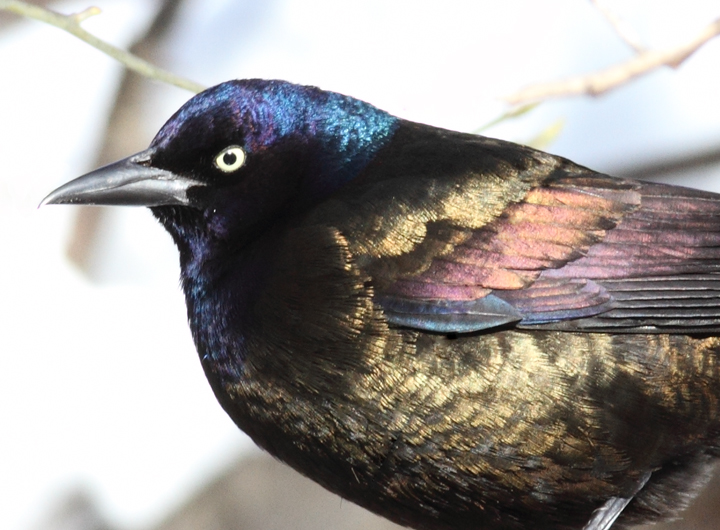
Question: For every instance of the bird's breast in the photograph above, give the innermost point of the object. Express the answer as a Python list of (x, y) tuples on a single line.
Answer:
[(521, 420)]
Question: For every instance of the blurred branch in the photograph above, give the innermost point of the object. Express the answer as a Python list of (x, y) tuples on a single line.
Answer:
[(624, 31), (124, 134), (546, 137), (599, 82), (514, 112), (71, 24)]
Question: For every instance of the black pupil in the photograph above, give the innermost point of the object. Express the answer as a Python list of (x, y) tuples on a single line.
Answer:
[(229, 158)]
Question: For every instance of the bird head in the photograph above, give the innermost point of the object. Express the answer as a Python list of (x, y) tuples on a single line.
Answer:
[(238, 157)]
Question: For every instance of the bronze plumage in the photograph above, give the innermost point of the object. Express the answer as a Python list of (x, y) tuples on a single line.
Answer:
[(452, 331)]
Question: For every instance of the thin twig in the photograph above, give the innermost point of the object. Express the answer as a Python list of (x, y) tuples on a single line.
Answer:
[(71, 24), (84, 15), (599, 82), (622, 28), (514, 112)]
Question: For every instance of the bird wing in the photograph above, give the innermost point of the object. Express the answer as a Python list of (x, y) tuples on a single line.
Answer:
[(579, 251), (494, 275), (659, 267)]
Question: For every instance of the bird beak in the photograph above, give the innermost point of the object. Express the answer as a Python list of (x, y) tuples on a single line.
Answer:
[(131, 181)]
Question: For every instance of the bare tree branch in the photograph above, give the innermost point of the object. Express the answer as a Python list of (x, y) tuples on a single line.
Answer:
[(599, 82), (622, 28), (71, 24), (124, 134)]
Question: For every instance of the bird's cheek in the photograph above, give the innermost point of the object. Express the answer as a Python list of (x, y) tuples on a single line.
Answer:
[(217, 223), (201, 196)]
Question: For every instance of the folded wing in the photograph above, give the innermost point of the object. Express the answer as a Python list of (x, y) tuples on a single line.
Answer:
[(585, 252)]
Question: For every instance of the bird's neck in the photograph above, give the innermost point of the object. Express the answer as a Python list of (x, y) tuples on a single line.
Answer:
[(221, 287), (342, 140)]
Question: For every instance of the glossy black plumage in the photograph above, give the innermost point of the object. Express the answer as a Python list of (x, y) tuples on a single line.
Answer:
[(453, 331)]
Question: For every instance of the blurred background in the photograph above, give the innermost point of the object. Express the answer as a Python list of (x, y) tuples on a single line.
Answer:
[(107, 420)]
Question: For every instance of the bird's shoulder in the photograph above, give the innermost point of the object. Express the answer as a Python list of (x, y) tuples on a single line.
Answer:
[(426, 175), (460, 233)]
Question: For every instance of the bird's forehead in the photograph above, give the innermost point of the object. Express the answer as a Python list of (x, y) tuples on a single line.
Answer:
[(260, 110), (259, 113), (201, 115)]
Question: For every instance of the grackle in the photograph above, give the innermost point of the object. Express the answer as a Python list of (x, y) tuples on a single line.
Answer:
[(453, 331)]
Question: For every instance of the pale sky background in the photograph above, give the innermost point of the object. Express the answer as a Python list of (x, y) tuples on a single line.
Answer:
[(100, 386)]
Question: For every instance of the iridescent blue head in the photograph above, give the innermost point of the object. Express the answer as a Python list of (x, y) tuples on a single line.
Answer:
[(307, 140), (261, 115), (240, 155)]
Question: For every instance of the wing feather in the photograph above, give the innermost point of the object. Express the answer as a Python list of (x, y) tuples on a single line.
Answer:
[(503, 235), (589, 253)]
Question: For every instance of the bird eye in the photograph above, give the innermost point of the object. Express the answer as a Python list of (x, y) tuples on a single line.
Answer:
[(230, 159)]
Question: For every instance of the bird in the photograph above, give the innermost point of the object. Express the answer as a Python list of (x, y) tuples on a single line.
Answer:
[(450, 330)]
